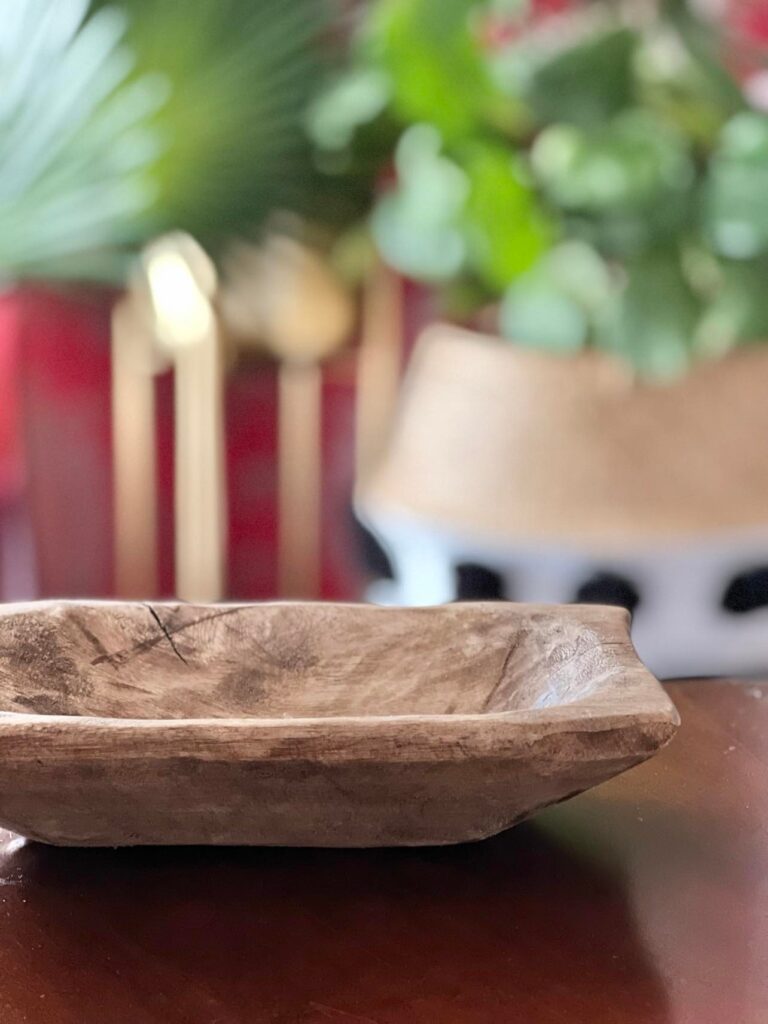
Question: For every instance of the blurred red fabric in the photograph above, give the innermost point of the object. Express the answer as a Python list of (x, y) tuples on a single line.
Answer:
[(55, 454)]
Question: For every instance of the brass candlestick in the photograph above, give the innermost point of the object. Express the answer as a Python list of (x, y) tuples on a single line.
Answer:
[(379, 362), (283, 295), (134, 365), (181, 280)]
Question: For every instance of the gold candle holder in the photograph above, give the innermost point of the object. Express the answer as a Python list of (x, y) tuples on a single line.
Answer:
[(379, 361), (181, 281), (283, 296), (134, 365)]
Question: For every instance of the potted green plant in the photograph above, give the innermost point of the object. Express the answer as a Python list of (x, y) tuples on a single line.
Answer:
[(589, 184), (562, 170)]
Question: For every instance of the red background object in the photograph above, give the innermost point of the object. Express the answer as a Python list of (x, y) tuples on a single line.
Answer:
[(56, 457)]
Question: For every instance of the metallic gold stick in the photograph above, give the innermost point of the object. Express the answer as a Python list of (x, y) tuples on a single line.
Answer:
[(285, 297), (182, 282), (134, 446), (299, 478), (378, 365)]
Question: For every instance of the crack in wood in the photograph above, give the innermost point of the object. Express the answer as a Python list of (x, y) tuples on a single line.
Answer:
[(511, 648), (127, 654), (168, 636)]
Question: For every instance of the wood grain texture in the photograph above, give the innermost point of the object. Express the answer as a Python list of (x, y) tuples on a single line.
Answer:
[(311, 724), (642, 901)]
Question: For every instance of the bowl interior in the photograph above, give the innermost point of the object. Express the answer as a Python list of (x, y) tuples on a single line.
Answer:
[(154, 661)]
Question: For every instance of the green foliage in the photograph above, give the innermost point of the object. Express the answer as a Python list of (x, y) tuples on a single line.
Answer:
[(120, 119), (418, 227), (77, 147), (652, 320), (603, 180), (436, 70), (626, 165), (505, 226), (345, 108), (736, 193), (242, 74), (689, 93), (474, 212), (586, 83), (551, 307), (739, 307)]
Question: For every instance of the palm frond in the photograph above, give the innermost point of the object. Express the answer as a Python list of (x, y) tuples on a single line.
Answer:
[(76, 144), (118, 121), (243, 73)]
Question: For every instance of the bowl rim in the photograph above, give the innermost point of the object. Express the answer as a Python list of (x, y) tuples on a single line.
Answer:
[(645, 719)]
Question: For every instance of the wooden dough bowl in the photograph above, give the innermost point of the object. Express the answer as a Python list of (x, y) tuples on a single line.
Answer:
[(311, 724)]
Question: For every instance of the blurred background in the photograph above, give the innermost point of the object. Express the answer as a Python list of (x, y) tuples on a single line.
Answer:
[(401, 300)]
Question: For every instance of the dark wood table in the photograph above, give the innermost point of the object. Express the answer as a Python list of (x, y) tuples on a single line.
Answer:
[(645, 900)]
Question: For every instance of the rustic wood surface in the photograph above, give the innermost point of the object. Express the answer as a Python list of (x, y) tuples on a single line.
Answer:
[(311, 724), (643, 901)]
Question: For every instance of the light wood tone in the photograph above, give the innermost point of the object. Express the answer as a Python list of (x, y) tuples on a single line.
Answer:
[(515, 445), (299, 478), (199, 477), (180, 281), (133, 447), (378, 366), (284, 296), (311, 724)]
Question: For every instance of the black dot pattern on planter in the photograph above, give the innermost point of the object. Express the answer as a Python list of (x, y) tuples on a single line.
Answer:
[(609, 588), (373, 556), (747, 592), (476, 582)]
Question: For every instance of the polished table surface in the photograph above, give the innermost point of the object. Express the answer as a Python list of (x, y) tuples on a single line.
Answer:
[(645, 900)]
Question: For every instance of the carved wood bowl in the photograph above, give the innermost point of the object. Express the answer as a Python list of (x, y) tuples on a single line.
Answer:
[(311, 724)]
